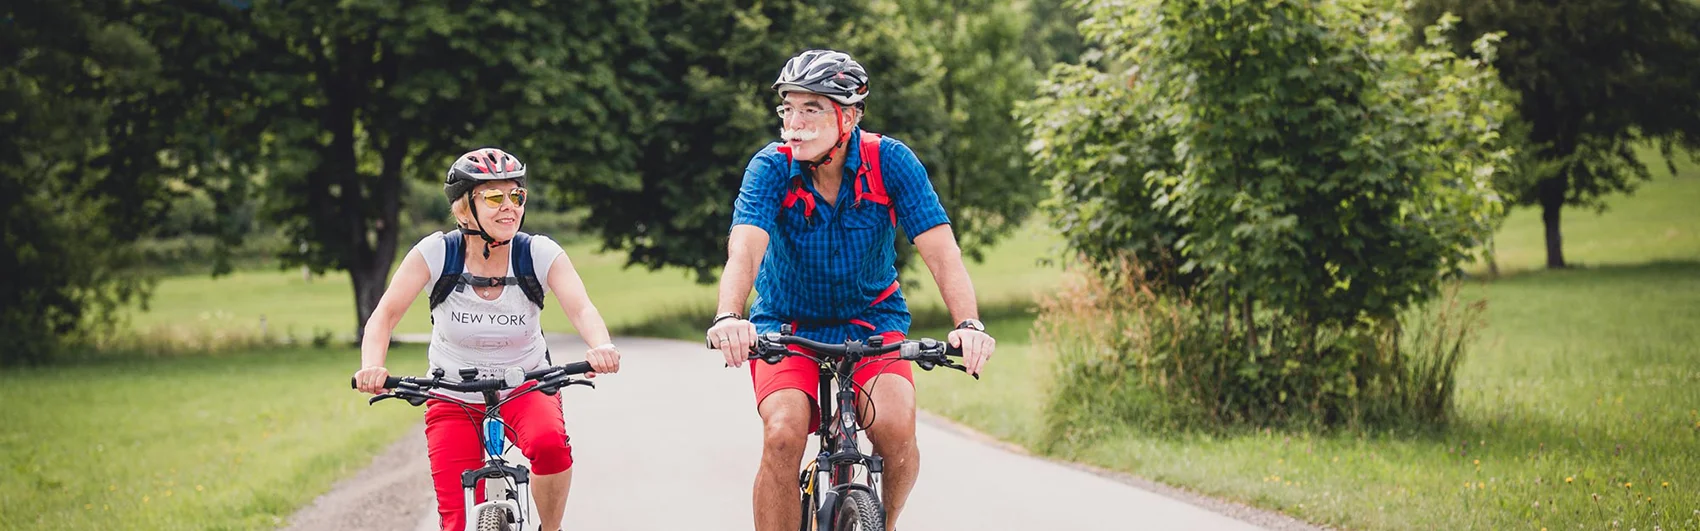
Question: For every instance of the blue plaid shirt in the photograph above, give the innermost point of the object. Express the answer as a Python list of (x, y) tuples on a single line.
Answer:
[(825, 270)]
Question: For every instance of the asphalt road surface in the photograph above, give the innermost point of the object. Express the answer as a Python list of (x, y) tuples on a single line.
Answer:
[(672, 442)]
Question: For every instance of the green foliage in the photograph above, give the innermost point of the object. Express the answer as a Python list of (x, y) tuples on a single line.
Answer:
[(977, 65), (1263, 189), (68, 200), (943, 81), (338, 101), (1594, 78), (1294, 155)]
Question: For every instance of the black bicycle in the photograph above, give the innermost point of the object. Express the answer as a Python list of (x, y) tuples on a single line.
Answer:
[(844, 500), (509, 512)]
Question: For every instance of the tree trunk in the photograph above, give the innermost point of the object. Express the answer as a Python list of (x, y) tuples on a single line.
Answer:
[(1250, 327), (1551, 191), (371, 273), (1492, 261)]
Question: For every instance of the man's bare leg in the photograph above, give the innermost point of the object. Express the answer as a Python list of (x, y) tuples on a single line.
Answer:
[(893, 435), (785, 431)]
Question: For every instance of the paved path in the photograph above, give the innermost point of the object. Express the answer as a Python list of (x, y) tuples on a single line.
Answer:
[(672, 442)]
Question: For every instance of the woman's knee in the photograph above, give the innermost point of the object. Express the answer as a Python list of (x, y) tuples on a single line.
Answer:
[(550, 453)]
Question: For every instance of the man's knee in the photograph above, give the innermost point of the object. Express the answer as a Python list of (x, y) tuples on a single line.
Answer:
[(785, 423), (892, 417)]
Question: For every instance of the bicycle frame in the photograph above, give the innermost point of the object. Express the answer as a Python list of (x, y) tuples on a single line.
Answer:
[(493, 435), (840, 452)]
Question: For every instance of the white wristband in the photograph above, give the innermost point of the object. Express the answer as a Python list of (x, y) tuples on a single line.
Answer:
[(605, 345)]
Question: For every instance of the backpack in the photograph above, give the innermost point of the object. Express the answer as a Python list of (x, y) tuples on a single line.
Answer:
[(454, 277), (869, 184)]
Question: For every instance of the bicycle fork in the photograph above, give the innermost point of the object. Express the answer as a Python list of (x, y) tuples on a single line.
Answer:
[(514, 502)]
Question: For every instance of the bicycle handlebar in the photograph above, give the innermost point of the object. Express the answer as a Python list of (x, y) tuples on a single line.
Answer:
[(550, 379), (925, 352)]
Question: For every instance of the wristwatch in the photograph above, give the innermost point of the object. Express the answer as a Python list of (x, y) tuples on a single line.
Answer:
[(972, 324), (725, 316)]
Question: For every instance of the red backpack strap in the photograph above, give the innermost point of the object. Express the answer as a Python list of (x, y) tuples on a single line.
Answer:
[(797, 192), (872, 185)]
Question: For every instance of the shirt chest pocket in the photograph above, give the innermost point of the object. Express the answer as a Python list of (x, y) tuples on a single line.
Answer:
[(865, 215)]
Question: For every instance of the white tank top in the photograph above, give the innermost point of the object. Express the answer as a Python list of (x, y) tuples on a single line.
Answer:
[(490, 335)]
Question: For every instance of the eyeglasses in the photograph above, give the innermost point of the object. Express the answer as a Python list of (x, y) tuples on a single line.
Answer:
[(494, 198), (808, 114)]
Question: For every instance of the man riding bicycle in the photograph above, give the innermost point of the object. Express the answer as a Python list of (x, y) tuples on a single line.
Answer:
[(813, 231)]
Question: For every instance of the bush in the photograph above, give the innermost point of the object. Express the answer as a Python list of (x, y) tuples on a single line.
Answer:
[(1266, 189), (1130, 352)]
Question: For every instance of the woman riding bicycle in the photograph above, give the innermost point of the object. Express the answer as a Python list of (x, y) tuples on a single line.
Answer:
[(487, 318)]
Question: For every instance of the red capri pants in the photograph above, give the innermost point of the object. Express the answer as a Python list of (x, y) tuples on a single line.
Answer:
[(451, 438)]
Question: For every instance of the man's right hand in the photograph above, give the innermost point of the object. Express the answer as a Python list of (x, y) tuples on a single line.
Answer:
[(734, 338)]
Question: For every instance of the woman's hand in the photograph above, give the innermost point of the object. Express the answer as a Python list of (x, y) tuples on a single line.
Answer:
[(371, 379), (605, 358)]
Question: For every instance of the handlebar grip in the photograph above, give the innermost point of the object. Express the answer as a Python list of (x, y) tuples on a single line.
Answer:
[(580, 367), (390, 382)]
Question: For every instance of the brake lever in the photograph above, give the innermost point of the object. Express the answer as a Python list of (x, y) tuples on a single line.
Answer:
[(413, 397), (553, 387), (962, 368), (380, 398)]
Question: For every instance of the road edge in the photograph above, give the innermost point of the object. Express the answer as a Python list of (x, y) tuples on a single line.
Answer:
[(1268, 519)]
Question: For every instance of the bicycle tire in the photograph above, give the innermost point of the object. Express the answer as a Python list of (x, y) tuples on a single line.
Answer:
[(858, 510), (494, 518)]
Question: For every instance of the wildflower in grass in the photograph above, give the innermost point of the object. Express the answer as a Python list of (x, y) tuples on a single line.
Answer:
[(1569, 479), (88, 506), (1665, 485), (1596, 497), (1478, 462), (197, 488), (1627, 484)]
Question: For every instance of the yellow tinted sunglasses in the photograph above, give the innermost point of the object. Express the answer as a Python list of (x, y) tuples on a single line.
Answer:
[(494, 198)]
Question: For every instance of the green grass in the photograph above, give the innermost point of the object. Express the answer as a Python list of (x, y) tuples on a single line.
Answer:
[(1660, 221), (203, 442), (1590, 374)]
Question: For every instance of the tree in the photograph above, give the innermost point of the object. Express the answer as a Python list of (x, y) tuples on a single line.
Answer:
[(1595, 77), (943, 83), (981, 67), (350, 97), (1293, 156), (90, 112), (703, 83)]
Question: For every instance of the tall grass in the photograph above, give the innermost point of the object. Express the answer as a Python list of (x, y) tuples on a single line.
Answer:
[(1130, 351)]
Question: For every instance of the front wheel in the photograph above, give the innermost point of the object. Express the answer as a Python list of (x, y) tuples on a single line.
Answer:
[(858, 510), (495, 518)]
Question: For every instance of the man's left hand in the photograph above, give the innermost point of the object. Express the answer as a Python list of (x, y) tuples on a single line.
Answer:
[(976, 347)]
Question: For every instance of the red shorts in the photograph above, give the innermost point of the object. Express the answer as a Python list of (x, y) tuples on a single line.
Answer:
[(803, 374), (451, 439)]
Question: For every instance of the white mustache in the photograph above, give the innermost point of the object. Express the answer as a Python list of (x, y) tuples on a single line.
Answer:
[(804, 135)]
